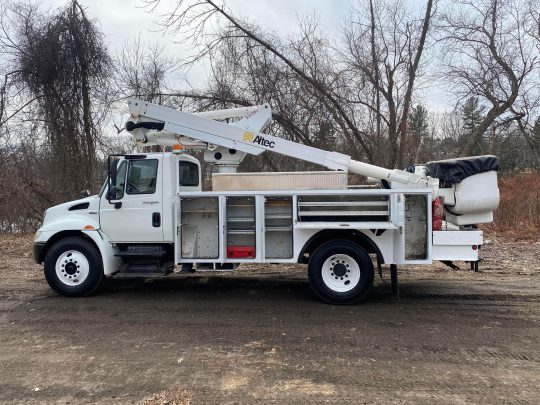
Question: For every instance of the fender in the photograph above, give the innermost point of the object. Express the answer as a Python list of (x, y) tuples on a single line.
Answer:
[(74, 225), (355, 235), (111, 263)]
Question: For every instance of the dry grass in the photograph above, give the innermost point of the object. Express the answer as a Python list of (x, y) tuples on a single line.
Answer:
[(172, 396), (518, 214)]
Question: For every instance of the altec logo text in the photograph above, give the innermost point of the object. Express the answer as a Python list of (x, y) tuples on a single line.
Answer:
[(249, 137)]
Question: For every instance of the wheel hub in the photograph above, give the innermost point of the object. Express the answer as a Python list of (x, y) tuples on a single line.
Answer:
[(70, 268), (340, 269)]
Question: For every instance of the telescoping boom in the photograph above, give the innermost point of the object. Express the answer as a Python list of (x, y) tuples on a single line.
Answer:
[(152, 124)]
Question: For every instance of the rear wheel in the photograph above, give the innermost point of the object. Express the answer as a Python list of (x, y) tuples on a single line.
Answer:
[(73, 267), (340, 272)]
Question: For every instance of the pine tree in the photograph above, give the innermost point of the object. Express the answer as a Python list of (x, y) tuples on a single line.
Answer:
[(418, 124), (472, 114), (419, 132)]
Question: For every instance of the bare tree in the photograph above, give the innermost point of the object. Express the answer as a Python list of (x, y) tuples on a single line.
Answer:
[(528, 123), (191, 20), (143, 70), (383, 50), (318, 70), (488, 54), (64, 64), (242, 73), (54, 76)]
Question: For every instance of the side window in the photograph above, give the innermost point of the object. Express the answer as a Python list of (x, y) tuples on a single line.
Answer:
[(189, 174), (142, 176), (120, 181)]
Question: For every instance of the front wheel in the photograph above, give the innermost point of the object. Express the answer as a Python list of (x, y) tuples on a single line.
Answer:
[(340, 272), (73, 267)]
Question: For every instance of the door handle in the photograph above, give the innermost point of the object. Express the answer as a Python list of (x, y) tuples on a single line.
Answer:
[(156, 219)]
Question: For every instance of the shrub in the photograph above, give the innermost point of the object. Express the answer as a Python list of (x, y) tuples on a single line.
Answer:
[(518, 214)]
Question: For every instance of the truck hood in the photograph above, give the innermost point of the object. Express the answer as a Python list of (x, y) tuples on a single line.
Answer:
[(88, 206)]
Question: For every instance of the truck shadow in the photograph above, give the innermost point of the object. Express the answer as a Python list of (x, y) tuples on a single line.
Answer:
[(239, 288)]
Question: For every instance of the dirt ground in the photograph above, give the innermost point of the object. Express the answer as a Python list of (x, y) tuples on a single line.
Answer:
[(260, 336)]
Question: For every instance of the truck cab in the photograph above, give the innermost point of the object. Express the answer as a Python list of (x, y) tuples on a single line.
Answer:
[(139, 207), (131, 217)]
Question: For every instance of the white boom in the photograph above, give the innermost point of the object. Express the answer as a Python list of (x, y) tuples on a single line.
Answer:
[(154, 124)]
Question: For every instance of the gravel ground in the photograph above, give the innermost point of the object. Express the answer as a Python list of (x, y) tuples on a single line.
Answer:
[(259, 335)]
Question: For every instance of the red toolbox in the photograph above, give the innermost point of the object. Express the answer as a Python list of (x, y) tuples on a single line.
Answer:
[(241, 252)]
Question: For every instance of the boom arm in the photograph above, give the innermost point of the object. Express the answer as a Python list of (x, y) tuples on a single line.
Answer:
[(155, 124)]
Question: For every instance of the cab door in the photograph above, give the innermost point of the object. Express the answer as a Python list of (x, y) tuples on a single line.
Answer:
[(134, 213)]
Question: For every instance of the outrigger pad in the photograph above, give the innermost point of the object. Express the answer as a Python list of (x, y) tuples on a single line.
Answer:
[(455, 170)]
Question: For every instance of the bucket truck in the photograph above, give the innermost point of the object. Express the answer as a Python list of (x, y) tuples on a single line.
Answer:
[(152, 218)]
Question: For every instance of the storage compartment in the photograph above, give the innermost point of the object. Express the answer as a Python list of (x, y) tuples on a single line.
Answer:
[(416, 227), (456, 245), (240, 226), (346, 208), (199, 230), (278, 234), (279, 181)]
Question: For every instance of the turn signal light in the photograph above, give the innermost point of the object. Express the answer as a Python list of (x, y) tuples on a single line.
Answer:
[(89, 227)]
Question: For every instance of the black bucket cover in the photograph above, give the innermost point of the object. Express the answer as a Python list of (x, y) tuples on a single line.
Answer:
[(455, 170)]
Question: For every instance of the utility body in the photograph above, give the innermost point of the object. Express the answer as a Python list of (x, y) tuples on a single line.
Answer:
[(152, 218)]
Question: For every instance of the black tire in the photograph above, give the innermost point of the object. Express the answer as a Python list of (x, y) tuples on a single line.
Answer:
[(328, 251), (84, 248)]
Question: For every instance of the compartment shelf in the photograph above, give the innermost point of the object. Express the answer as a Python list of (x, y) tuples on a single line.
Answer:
[(240, 231), (241, 219), (278, 228), (193, 211), (342, 203), (348, 225), (278, 216), (341, 213)]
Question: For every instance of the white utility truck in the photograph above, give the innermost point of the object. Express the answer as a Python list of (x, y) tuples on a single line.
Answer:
[(152, 218)]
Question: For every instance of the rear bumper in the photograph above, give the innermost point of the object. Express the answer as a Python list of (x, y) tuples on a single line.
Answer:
[(38, 251)]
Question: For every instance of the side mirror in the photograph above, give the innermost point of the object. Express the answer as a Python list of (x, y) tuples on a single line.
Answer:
[(85, 193)]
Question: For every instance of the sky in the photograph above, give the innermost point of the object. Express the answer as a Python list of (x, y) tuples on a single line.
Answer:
[(124, 20)]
